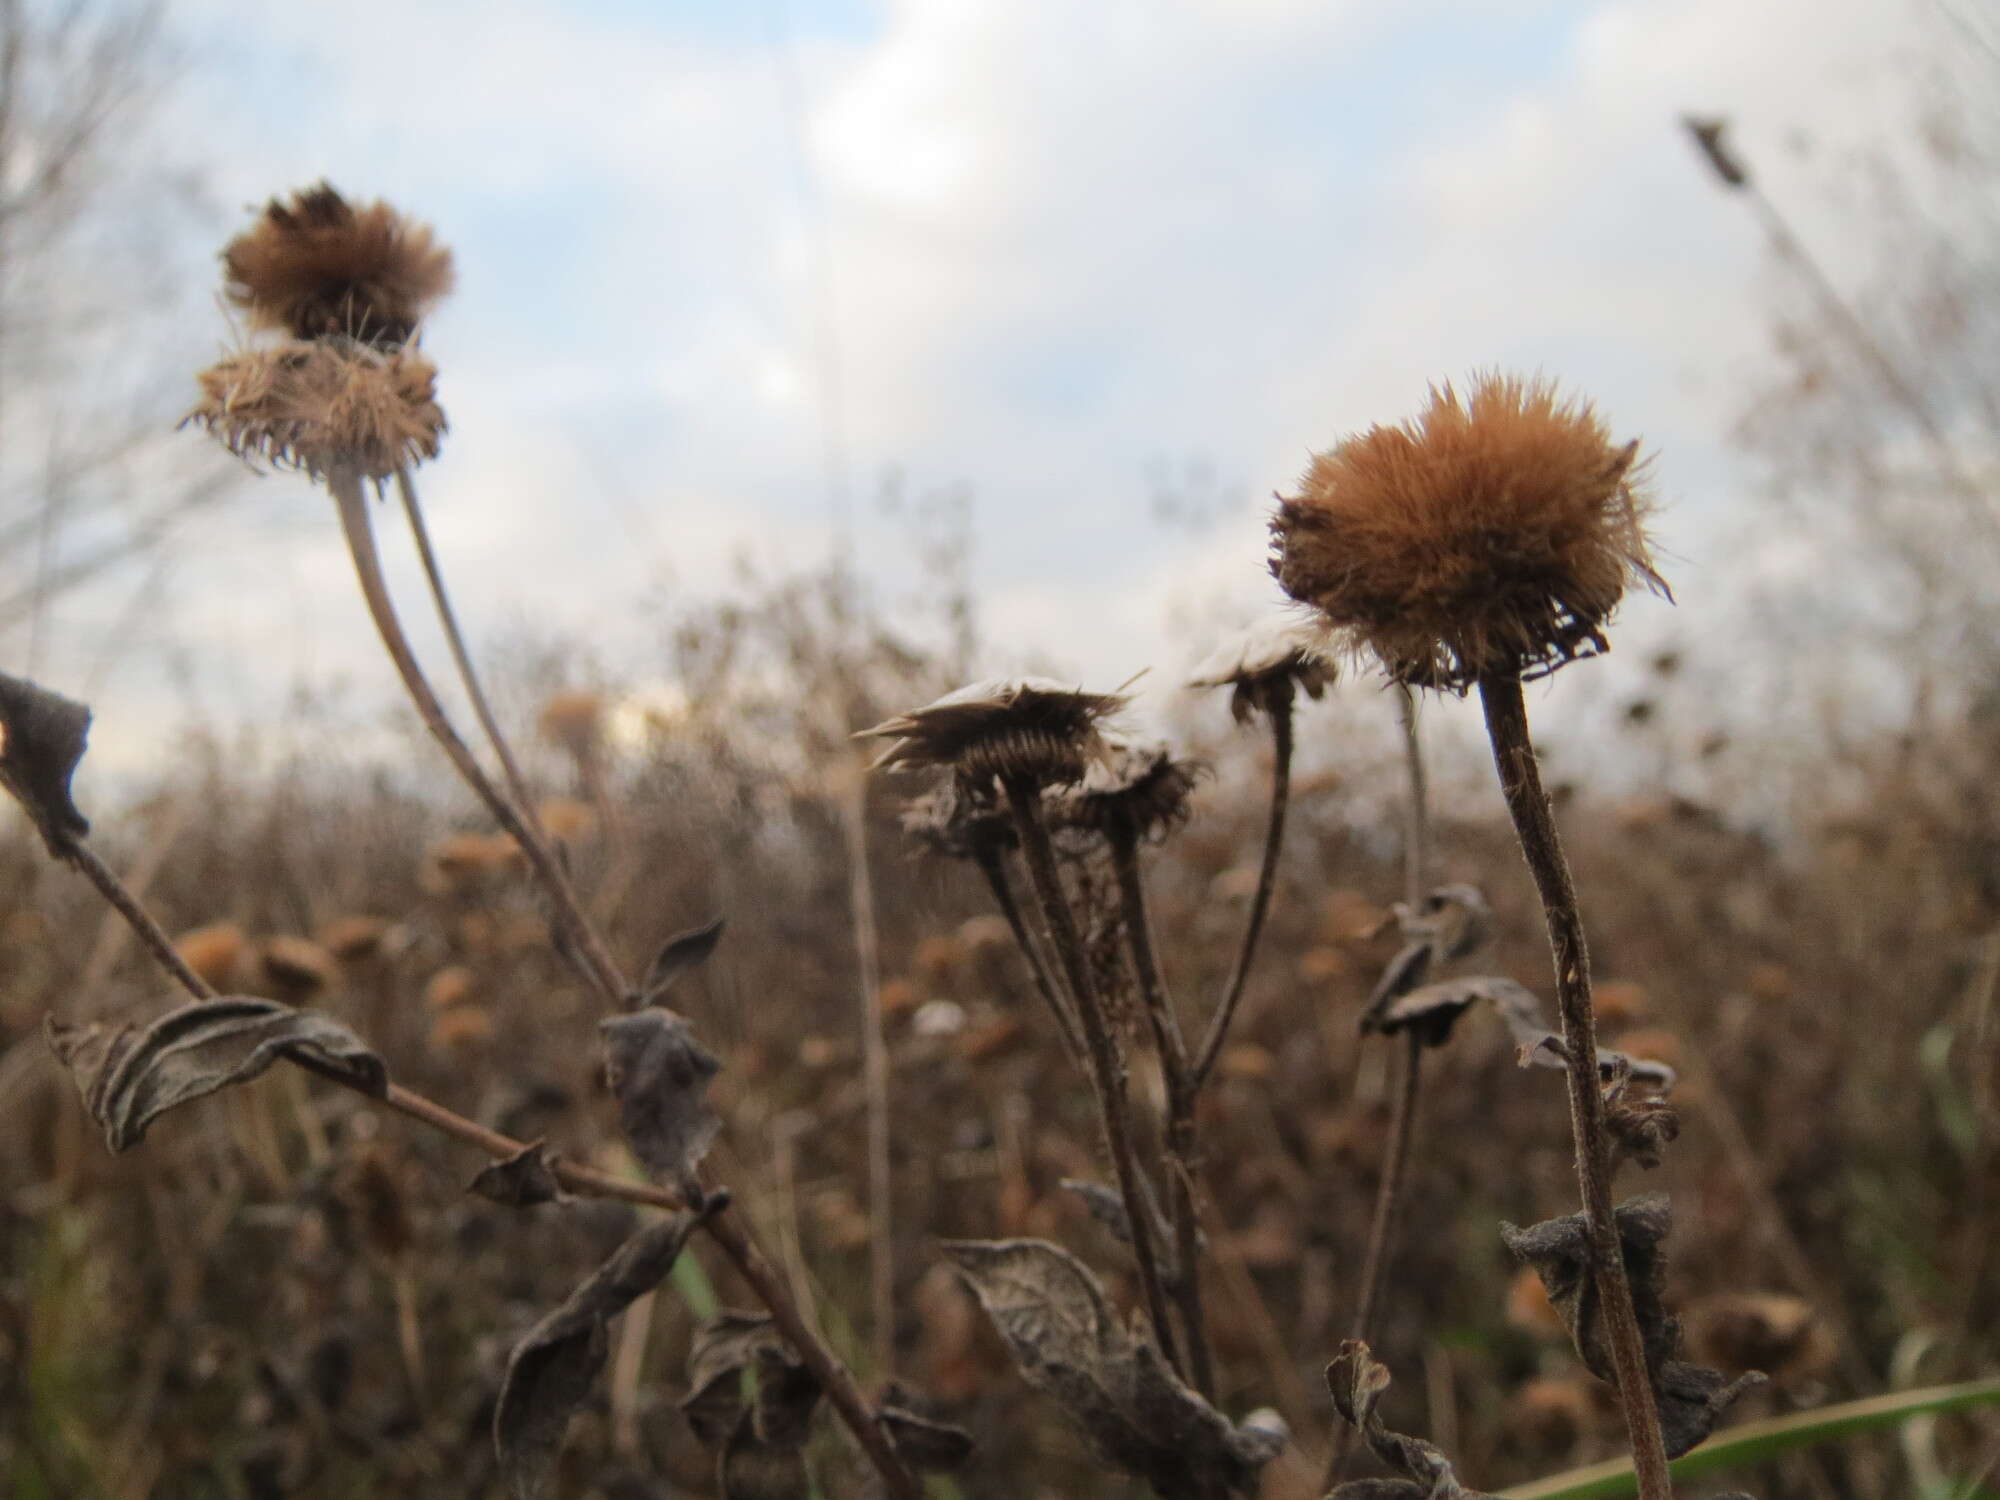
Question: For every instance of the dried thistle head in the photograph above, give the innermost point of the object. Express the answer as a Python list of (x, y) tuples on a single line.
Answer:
[(1140, 787), (1264, 666), (315, 405), (574, 720), (1491, 536), (1027, 727), (317, 266), (955, 821)]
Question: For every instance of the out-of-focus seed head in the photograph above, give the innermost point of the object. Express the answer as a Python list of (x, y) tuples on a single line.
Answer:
[(1140, 787), (1028, 727), (315, 405), (958, 822), (316, 266), (1493, 535), (1265, 666)]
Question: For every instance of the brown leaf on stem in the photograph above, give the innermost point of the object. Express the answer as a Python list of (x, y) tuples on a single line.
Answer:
[(1690, 1397), (42, 738), (553, 1368), (924, 1443), (1357, 1382), (522, 1180), (1132, 1410), (681, 953), (659, 1075), (129, 1075), (728, 1344)]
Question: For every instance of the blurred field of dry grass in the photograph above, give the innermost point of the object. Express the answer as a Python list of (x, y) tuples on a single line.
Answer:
[(285, 1293)]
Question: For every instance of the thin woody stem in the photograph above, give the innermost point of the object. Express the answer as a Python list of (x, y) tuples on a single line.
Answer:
[(731, 1237), (1260, 903), (1181, 1136), (1534, 822), (1106, 1065), (1409, 1082), (593, 956), (994, 868)]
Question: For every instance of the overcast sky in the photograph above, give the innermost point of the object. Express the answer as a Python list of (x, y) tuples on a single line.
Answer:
[(719, 262)]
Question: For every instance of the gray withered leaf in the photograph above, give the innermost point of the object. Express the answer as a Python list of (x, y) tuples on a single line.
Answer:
[(1402, 974), (727, 1344), (1432, 1010), (680, 953), (130, 1075), (1108, 1209), (748, 1468), (522, 1180), (42, 738), (659, 1075), (1690, 1397), (925, 1444), (552, 1369), (1132, 1410), (1357, 1381)]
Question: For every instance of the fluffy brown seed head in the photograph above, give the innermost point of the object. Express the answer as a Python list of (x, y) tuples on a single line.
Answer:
[(315, 405), (1027, 727), (1140, 786), (1493, 535), (316, 265)]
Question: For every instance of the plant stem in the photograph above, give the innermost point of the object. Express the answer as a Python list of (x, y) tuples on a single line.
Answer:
[(1181, 1126), (1409, 1083), (1260, 903), (1106, 1064), (875, 1079), (733, 1238), (591, 954), (1534, 823), (994, 868)]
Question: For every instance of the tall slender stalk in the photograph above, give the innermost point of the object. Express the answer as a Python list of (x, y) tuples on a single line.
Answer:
[(1107, 1066), (1409, 1081), (595, 959), (993, 866), (1182, 1161), (875, 1078), (1534, 821), (1280, 709)]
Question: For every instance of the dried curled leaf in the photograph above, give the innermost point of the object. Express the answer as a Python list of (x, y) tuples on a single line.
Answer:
[(1357, 1382), (1451, 923), (129, 1075), (553, 1368), (522, 1180), (1132, 1409), (1432, 1010), (1690, 1397), (925, 1444), (679, 954), (42, 739), (726, 1346), (659, 1075)]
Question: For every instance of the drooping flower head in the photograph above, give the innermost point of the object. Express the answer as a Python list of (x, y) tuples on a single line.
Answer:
[(1493, 535), (1137, 786), (317, 266), (317, 404), (1264, 666), (1029, 727)]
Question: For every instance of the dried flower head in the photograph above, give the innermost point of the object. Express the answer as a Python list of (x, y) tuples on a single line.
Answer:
[(574, 720), (1029, 727), (317, 266), (1265, 665), (957, 822), (315, 405), (293, 969), (1492, 536), (1141, 787)]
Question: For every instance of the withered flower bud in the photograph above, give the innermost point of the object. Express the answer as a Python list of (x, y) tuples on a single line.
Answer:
[(1492, 536), (1028, 727), (1265, 665), (317, 267), (954, 821), (315, 405), (1141, 787)]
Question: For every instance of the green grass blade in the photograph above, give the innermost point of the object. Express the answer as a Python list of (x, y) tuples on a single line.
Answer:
[(1759, 1442)]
